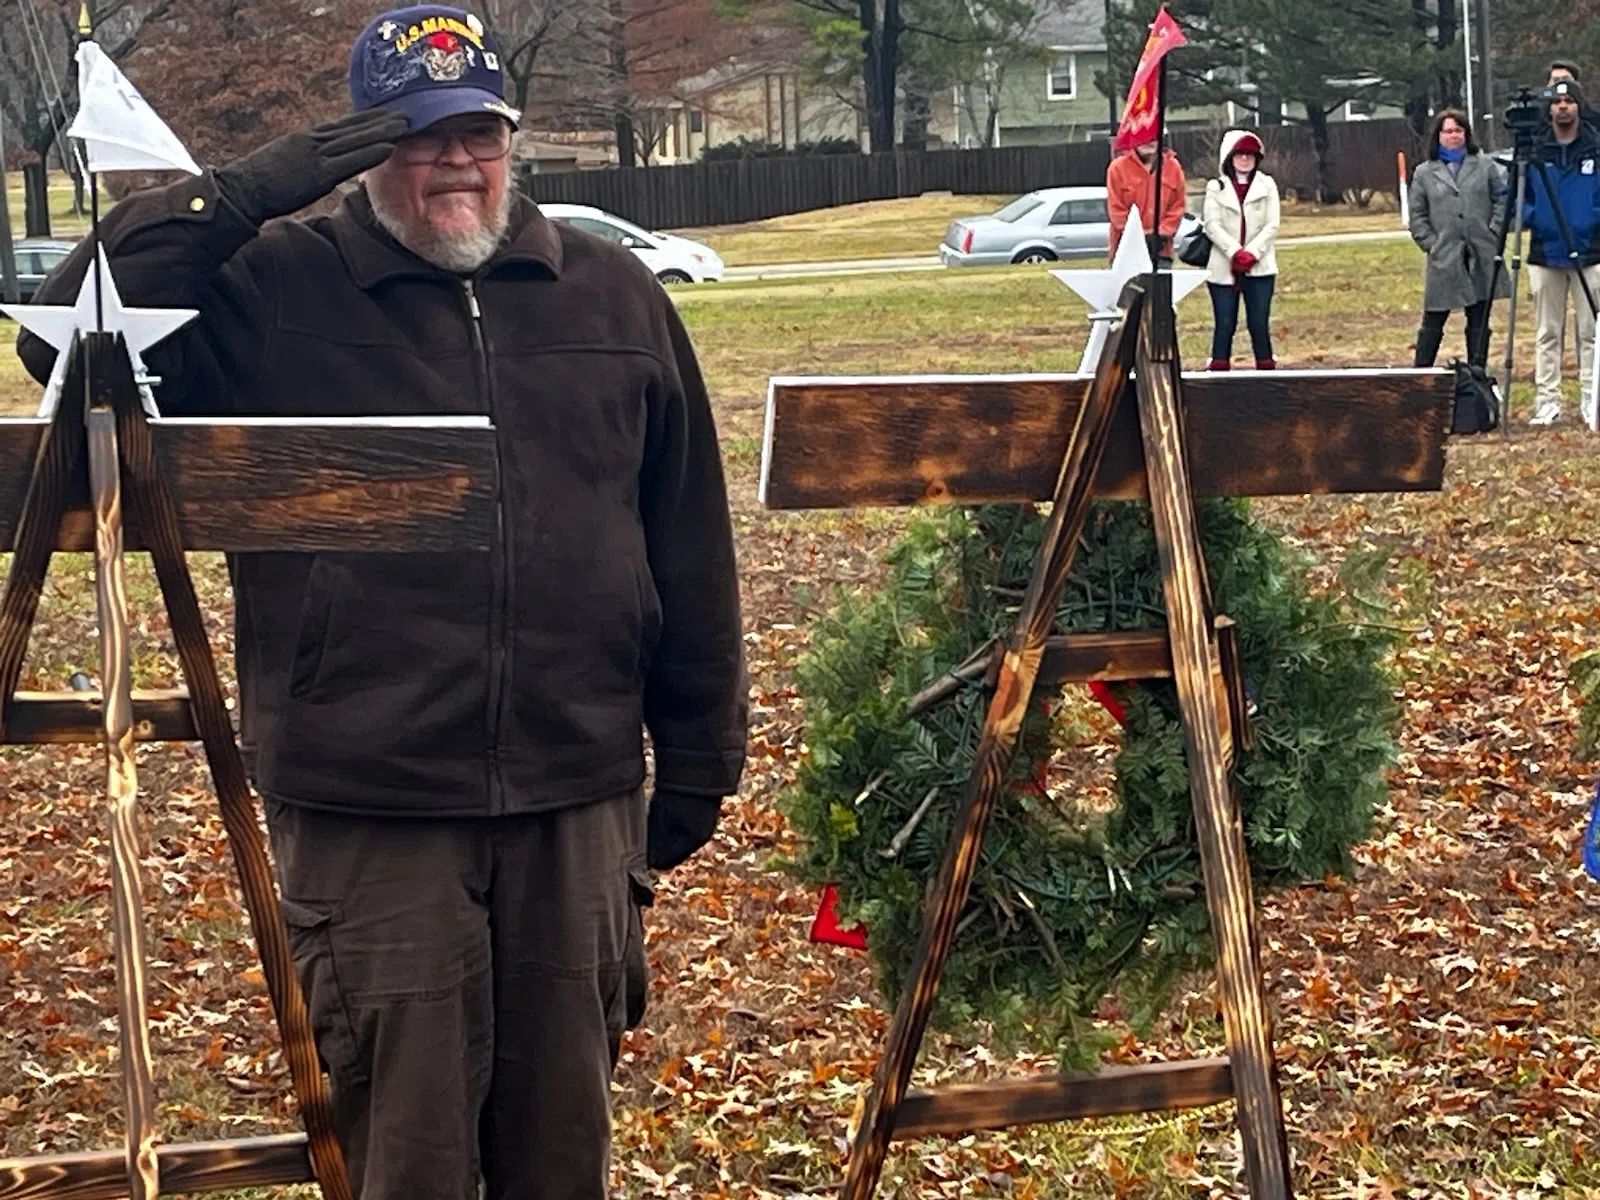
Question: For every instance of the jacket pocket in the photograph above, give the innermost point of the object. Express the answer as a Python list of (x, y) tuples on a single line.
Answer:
[(311, 641), (310, 929)]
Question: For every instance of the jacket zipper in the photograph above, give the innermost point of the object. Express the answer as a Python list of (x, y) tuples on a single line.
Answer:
[(500, 568)]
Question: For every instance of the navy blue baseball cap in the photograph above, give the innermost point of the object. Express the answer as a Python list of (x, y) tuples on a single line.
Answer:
[(428, 62), (1565, 89)]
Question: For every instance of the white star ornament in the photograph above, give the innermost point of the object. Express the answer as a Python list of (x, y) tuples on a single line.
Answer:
[(1101, 289), (58, 325)]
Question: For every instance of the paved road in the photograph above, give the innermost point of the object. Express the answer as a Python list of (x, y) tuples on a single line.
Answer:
[(880, 266)]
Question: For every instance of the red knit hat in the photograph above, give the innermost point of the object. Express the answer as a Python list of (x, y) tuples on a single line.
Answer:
[(1248, 143)]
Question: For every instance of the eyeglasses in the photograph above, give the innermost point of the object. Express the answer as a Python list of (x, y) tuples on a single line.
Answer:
[(486, 143)]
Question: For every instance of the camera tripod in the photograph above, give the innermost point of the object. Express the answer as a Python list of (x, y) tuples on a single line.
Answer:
[(1526, 153)]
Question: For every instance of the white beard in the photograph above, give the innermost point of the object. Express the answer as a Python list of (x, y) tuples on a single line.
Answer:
[(461, 254)]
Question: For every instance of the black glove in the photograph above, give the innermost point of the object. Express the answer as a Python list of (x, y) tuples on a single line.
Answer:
[(680, 823), (299, 169)]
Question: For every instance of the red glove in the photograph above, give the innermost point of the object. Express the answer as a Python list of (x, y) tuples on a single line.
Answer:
[(1243, 260)]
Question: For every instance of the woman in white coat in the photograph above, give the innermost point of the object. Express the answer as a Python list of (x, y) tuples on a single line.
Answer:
[(1240, 216)]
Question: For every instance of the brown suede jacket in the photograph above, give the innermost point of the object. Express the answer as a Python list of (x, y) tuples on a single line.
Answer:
[(471, 683)]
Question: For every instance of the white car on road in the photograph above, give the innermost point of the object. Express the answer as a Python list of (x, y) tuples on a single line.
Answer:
[(672, 258)]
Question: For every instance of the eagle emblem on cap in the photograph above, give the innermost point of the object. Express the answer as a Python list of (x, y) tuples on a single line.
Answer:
[(444, 58)]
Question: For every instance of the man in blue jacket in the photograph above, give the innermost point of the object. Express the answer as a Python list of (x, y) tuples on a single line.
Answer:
[(1572, 165)]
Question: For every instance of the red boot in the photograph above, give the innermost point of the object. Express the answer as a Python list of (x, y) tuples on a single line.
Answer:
[(1266, 364), (1220, 364)]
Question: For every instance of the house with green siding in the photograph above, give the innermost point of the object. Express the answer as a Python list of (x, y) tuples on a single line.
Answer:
[(1052, 96)]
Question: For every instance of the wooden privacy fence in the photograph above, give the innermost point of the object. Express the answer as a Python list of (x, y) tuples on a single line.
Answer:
[(1362, 155), (748, 189)]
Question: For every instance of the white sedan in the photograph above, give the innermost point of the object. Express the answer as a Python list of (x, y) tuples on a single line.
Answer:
[(672, 258)]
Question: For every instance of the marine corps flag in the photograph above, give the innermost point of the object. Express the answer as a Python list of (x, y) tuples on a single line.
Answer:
[(1141, 118)]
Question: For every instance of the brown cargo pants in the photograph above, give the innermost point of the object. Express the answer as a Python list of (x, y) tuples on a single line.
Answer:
[(469, 982)]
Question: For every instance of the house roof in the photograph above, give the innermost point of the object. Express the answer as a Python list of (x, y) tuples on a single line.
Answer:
[(767, 49), (567, 151), (727, 73), (1073, 24), (736, 69)]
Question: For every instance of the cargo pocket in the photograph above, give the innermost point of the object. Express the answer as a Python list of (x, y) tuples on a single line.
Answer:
[(311, 942), (635, 965)]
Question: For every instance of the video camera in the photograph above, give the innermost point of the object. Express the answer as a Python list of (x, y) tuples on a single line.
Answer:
[(1526, 118)]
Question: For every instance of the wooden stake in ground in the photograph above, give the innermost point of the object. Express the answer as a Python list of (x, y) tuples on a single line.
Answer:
[(96, 358), (996, 746), (1191, 631), (158, 520)]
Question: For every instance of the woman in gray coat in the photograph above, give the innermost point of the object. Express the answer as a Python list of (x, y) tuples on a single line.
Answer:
[(1458, 207)]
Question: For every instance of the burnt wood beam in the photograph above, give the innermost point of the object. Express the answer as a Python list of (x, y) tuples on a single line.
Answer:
[(1110, 657), (152, 504), (33, 499), (197, 1167), (98, 360), (980, 439), (1007, 707), (68, 718), (1219, 826), (418, 484), (1109, 1092)]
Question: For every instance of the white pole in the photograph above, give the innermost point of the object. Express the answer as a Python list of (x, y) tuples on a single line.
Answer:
[(1590, 412), (1466, 50), (1405, 206)]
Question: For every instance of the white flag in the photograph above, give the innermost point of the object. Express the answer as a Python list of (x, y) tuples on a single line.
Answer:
[(119, 130)]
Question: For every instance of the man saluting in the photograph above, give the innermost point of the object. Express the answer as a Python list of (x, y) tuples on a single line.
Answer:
[(450, 745)]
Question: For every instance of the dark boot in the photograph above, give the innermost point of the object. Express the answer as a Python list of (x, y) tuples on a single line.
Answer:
[(1219, 364), (1428, 341), (1266, 364), (1478, 347)]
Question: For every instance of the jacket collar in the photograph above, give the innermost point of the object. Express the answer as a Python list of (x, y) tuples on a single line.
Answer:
[(373, 256), (1453, 179), (1230, 195), (1583, 146)]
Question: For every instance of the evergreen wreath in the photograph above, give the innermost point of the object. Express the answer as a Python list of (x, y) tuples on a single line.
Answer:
[(1070, 904)]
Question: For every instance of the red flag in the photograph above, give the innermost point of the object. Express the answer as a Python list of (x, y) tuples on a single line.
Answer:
[(1108, 702), (1141, 118), (825, 927)]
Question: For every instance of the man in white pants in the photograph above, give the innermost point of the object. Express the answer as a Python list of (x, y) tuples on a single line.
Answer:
[(1572, 165)]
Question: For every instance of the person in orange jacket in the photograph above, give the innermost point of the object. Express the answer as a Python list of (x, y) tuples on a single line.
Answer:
[(1130, 180)]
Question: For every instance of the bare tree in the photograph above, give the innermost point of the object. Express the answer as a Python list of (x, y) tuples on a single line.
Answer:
[(625, 66), (229, 75), (38, 80), (535, 37)]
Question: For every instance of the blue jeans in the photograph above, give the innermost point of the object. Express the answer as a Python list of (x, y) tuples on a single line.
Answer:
[(1256, 292)]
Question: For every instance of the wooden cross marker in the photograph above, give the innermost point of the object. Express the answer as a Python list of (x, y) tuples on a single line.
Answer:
[(67, 483), (1138, 429)]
